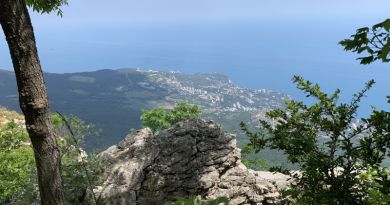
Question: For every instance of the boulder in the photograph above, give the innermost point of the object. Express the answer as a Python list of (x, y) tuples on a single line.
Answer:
[(193, 158)]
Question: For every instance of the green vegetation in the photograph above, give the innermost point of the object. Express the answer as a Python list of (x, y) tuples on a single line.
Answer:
[(196, 201), (374, 41), (127, 102), (250, 159), (80, 172), (159, 119), (339, 156), (17, 173), (47, 6)]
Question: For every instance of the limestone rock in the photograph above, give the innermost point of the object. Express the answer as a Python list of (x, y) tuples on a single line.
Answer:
[(195, 157)]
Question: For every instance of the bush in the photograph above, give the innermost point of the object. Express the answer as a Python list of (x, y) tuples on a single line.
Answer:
[(80, 172), (159, 119), (330, 145), (372, 182), (17, 165)]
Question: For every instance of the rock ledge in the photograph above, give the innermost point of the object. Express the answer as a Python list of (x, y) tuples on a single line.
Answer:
[(195, 157)]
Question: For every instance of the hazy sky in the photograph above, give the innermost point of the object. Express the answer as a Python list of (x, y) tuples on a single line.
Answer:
[(118, 30), (119, 12)]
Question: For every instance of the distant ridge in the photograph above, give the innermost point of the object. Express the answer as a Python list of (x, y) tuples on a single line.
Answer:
[(113, 99)]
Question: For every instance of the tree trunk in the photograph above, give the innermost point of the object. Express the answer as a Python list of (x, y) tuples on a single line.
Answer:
[(33, 100)]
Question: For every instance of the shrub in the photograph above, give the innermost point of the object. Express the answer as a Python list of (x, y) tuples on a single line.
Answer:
[(80, 172), (158, 119), (331, 146), (18, 183), (17, 164)]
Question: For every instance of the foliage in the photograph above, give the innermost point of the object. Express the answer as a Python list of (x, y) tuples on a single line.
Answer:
[(17, 164), (12, 136), (80, 177), (73, 130), (372, 182), (193, 200), (249, 159), (330, 145), (47, 6), (374, 41), (158, 119), (80, 172)]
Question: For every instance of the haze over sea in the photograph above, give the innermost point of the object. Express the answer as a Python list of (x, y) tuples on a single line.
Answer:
[(252, 46)]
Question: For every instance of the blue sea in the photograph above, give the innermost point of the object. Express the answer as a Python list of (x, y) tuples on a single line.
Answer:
[(255, 54)]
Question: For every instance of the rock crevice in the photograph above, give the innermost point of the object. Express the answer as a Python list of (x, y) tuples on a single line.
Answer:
[(195, 157)]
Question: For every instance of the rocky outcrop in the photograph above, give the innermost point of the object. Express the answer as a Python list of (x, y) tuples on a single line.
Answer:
[(195, 157)]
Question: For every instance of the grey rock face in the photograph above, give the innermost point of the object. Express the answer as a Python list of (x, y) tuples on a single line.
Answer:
[(195, 157)]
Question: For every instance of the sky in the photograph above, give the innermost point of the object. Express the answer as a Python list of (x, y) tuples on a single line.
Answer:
[(119, 12), (257, 43)]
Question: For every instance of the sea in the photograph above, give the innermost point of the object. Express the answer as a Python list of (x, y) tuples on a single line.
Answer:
[(253, 54)]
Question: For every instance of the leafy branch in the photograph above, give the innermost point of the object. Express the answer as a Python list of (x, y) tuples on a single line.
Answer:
[(373, 41)]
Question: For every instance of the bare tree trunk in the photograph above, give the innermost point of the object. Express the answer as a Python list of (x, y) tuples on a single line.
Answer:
[(17, 27)]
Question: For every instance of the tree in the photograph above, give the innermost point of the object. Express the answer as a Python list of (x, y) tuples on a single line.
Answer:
[(334, 150), (374, 41), (158, 119), (33, 99)]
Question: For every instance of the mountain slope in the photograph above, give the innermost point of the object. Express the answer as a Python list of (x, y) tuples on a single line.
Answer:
[(114, 99)]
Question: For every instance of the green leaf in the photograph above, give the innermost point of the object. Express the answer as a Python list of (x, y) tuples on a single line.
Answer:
[(386, 24), (47, 6), (366, 60), (374, 41), (362, 30), (385, 51)]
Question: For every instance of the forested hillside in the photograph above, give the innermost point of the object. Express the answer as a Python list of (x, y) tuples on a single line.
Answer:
[(114, 99)]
